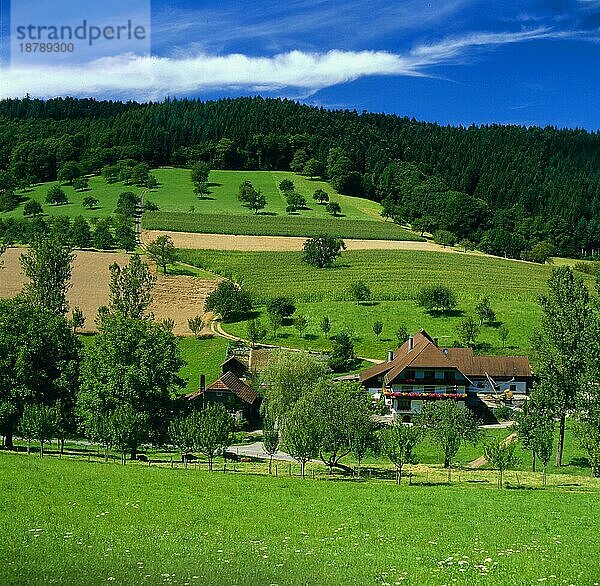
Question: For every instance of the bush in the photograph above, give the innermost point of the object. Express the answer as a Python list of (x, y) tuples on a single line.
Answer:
[(444, 238), (437, 298), (503, 413), (229, 300)]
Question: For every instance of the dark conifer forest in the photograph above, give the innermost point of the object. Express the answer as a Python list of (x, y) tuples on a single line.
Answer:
[(506, 189)]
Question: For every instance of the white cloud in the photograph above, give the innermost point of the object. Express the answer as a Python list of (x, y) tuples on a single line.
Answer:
[(139, 77)]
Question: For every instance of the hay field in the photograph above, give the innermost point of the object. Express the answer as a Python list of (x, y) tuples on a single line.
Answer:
[(177, 297)]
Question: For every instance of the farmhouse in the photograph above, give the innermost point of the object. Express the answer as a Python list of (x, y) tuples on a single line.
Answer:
[(420, 370), (232, 392)]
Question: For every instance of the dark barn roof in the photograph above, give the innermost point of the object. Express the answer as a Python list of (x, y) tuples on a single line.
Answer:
[(230, 383)]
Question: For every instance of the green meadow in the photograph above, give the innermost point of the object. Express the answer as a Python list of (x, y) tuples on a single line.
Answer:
[(221, 212), (74, 522), (394, 278)]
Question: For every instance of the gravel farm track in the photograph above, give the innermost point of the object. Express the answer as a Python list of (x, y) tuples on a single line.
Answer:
[(174, 296), (197, 241)]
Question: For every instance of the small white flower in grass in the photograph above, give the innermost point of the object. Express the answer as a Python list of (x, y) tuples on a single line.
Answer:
[(110, 579)]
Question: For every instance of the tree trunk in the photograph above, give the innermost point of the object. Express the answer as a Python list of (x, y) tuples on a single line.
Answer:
[(62, 445), (302, 464), (41, 449), (399, 476), (8, 441), (270, 464), (544, 476), (533, 465), (28, 447), (449, 473), (210, 464), (446, 462), (133, 453), (561, 441)]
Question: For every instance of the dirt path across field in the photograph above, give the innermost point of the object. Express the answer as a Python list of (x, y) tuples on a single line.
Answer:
[(175, 297), (279, 243)]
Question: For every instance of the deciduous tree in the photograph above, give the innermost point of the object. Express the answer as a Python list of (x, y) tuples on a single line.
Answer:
[(162, 251), (47, 265), (322, 251), (450, 426)]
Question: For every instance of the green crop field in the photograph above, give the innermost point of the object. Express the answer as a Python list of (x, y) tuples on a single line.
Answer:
[(220, 212), (394, 278), (253, 225), (74, 522)]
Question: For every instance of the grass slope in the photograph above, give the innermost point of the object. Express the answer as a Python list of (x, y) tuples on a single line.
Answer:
[(221, 212), (72, 522), (394, 277)]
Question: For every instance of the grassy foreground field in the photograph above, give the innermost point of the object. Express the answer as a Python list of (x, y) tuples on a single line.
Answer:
[(220, 212), (394, 278), (73, 522)]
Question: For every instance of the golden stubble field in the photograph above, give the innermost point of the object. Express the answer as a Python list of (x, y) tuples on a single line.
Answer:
[(176, 297)]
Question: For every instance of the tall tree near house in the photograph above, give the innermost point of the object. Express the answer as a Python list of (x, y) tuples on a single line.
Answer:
[(255, 332), (562, 344), (47, 265), (450, 426), (162, 251), (270, 440), (342, 413), (183, 432), (398, 443), (131, 288), (288, 376), (130, 362), (128, 429), (215, 432), (300, 433)]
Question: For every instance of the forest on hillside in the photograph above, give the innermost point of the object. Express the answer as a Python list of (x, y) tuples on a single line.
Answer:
[(509, 190)]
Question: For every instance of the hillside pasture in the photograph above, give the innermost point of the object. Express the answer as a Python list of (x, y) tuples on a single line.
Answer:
[(221, 212), (73, 522), (394, 277)]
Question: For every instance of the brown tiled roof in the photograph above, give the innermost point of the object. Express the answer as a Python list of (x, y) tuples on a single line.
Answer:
[(232, 384), (426, 354), (233, 359), (504, 366)]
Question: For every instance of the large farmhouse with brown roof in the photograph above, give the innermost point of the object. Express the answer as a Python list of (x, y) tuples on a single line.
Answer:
[(420, 370)]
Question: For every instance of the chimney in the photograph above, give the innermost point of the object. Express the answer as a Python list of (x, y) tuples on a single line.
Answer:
[(435, 341), (202, 382), (411, 343), (390, 355)]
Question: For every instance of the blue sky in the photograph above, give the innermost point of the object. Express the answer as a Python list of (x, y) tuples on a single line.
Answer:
[(450, 61)]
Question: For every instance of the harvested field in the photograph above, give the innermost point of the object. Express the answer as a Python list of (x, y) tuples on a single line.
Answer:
[(176, 297), (196, 241)]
